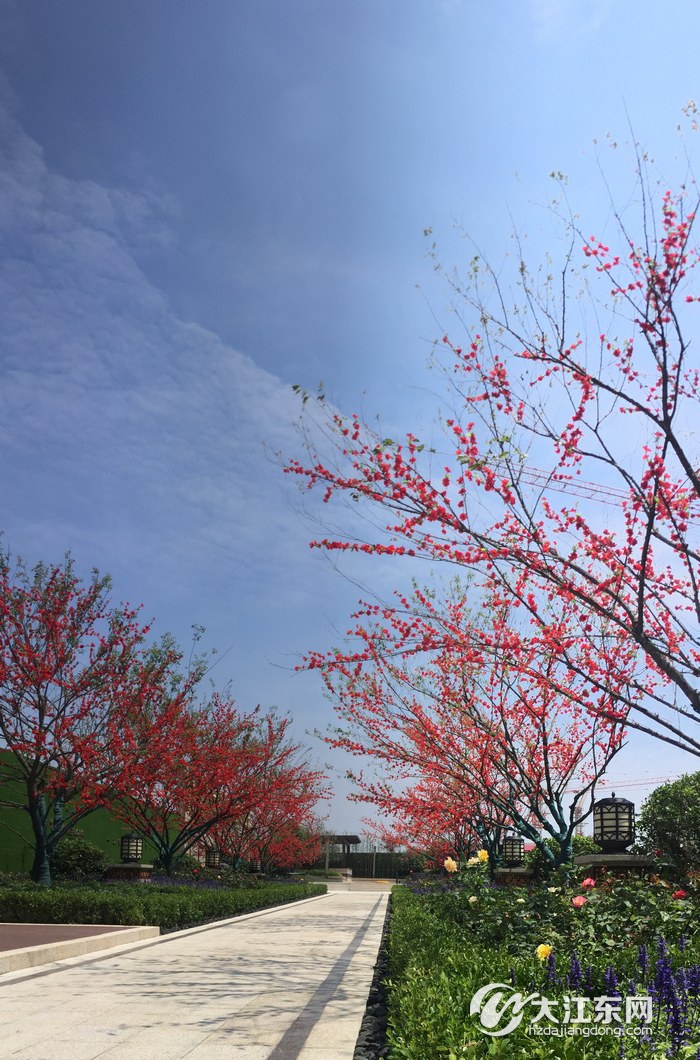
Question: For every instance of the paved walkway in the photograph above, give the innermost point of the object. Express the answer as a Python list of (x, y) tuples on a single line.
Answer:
[(284, 984)]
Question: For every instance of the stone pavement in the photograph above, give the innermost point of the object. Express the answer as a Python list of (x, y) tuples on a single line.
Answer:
[(289, 983)]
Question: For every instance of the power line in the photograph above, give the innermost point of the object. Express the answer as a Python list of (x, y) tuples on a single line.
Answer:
[(535, 476)]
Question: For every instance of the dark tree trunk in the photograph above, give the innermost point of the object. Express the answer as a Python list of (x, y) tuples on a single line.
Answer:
[(167, 860), (41, 867)]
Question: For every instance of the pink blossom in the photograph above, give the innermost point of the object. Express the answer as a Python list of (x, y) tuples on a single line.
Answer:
[(578, 901), (588, 883)]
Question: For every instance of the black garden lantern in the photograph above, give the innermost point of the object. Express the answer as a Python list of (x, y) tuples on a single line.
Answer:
[(513, 850), (212, 859), (613, 824), (131, 847)]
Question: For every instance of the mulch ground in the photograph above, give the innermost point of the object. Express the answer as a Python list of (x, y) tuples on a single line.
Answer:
[(19, 936)]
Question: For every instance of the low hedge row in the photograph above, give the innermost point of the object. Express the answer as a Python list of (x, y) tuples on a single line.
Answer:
[(171, 908)]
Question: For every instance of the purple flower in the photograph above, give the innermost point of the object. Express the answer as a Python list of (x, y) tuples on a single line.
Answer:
[(575, 976), (588, 983), (693, 979), (665, 983), (611, 982)]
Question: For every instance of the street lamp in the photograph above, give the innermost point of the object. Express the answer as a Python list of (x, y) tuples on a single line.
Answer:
[(513, 850), (212, 859), (613, 824), (131, 847)]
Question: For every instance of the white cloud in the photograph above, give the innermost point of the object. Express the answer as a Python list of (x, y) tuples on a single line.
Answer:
[(137, 440), (112, 407)]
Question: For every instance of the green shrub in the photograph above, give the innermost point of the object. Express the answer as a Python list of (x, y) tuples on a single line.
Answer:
[(442, 949), (172, 908), (669, 824), (535, 859), (234, 877), (75, 858), (183, 868), (10, 879)]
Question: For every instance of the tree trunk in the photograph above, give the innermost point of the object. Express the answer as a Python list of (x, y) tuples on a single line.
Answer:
[(41, 868), (566, 851), (166, 858)]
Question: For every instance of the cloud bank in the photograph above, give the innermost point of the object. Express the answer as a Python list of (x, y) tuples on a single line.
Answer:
[(118, 418)]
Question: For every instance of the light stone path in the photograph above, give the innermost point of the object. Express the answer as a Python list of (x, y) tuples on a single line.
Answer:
[(281, 984)]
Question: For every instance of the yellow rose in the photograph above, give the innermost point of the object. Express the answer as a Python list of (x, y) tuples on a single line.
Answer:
[(543, 951), (482, 855), (473, 900), (450, 864), (473, 861)]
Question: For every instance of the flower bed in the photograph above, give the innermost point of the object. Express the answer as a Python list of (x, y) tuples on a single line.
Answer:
[(618, 964), (172, 908)]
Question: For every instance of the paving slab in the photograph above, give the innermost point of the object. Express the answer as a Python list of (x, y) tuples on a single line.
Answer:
[(281, 984)]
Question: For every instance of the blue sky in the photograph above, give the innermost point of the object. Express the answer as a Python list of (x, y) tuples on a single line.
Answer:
[(203, 204)]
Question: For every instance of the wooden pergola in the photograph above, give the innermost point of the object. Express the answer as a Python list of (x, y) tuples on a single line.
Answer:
[(344, 841)]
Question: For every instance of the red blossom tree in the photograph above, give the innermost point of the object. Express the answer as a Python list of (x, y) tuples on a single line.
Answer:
[(196, 768), (483, 711), (569, 480), (69, 667), (436, 820), (281, 828)]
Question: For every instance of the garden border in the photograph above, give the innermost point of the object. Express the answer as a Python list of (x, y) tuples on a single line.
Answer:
[(372, 1041)]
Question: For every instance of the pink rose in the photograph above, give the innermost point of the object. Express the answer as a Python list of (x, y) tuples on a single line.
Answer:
[(588, 883), (579, 901), (680, 894)]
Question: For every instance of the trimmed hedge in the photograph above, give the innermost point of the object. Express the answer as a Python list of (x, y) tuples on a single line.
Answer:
[(171, 908)]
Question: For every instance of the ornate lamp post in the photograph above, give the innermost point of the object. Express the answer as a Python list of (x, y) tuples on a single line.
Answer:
[(613, 824), (513, 851), (513, 872), (131, 867), (613, 831), (131, 848)]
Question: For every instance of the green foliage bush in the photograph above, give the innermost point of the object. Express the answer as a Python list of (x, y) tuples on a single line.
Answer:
[(233, 877), (183, 868), (535, 859), (618, 914), (669, 824), (443, 948), (75, 858), (171, 908), (9, 879)]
